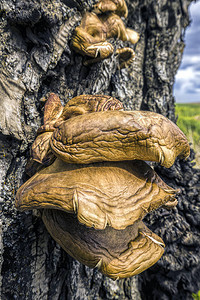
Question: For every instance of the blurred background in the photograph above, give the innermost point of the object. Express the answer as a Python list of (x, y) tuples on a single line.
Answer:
[(187, 84)]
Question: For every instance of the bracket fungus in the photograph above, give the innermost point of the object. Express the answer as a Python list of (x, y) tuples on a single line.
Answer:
[(104, 22), (117, 6), (95, 192)]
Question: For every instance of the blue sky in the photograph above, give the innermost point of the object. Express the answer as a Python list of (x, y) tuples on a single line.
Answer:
[(187, 84)]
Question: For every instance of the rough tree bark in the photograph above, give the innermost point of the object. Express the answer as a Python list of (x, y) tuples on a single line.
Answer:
[(35, 59)]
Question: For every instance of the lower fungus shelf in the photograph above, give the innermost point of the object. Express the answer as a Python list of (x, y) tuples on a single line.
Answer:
[(117, 253)]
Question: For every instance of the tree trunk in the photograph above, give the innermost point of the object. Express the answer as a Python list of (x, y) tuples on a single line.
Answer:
[(36, 58)]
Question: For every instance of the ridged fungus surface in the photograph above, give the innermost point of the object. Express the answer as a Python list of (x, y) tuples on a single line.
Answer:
[(90, 38), (94, 186)]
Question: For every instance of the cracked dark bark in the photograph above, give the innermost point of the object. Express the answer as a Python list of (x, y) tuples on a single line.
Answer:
[(36, 58)]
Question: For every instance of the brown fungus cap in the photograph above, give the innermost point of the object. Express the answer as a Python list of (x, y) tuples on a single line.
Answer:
[(111, 193), (94, 212), (90, 38), (84, 104), (55, 114), (117, 6), (116, 253), (118, 136)]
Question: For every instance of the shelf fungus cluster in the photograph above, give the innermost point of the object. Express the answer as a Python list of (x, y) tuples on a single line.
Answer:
[(94, 187), (104, 22)]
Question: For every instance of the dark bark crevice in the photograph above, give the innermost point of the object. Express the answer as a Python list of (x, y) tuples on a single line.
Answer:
[(36, 60)]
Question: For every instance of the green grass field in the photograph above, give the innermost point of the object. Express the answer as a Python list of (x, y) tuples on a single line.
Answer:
[(196, 296), (189, 122)]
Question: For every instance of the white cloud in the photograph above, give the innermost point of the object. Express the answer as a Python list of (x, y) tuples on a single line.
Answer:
[(194, 9), (187, 84), (187, 87), (191, 59), (188, 74)]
